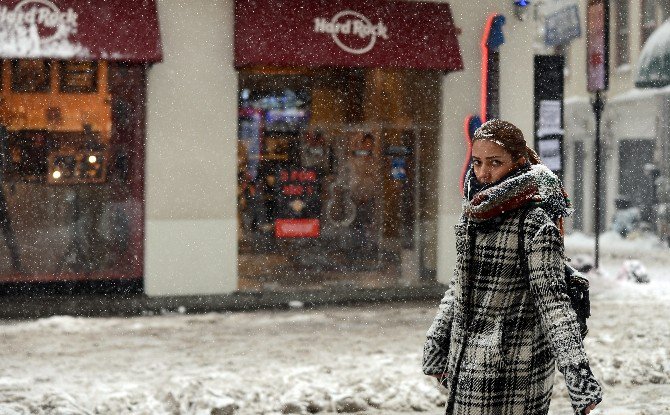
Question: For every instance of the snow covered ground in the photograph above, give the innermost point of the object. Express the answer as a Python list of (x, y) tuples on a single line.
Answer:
[(357, 359)]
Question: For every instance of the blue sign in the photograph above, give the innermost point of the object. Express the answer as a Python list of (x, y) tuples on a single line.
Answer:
[(496, 36), (562, 26), (398, 169)]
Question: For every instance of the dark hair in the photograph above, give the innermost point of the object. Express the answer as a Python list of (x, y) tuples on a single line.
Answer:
[(509, 137)]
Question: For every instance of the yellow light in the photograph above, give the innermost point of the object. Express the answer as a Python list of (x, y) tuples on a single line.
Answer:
[(56, 174), (92, 159)]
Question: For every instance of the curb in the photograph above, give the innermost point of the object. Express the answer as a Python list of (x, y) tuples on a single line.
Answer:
[(21, 307)]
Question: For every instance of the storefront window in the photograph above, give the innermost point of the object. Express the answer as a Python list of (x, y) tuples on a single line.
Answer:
[(331, 176), (78, 76), (31, 75), (70, 174)]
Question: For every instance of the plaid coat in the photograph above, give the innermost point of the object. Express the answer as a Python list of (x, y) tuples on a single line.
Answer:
[(498, 333)]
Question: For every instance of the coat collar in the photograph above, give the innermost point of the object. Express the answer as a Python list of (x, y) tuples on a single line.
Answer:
[(534, 184)]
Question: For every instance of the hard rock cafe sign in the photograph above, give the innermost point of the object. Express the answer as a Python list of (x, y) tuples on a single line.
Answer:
[(36, 28), (352, 31)]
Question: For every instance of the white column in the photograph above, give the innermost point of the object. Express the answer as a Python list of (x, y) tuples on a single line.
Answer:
[(191, 184), (461, 97)]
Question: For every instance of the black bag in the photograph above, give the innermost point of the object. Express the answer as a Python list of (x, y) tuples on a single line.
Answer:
[(577, 285), (578, 291)]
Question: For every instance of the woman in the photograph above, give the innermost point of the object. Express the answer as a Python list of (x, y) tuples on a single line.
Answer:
[(500, 331)]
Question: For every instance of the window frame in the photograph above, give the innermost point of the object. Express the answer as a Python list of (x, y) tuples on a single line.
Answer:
[(622, 33), (63, 87), (648, 26), (14, 81)]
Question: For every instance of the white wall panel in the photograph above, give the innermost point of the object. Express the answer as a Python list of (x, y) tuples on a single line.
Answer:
[(191, 183)]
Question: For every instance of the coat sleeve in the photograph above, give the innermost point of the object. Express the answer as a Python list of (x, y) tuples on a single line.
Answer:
[(558, 319), (436, 347)]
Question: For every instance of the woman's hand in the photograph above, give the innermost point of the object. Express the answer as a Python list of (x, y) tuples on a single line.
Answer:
[(439, 376), (589, 408), (582, 388)]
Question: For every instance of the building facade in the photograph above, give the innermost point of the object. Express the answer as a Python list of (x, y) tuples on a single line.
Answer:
[(634, 138), (267, 161), (72, 138)]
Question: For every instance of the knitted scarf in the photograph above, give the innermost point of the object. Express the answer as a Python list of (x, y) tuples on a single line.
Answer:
[(531, 184)]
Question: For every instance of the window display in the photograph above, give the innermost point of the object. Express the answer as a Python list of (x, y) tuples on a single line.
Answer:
[(325, 196), (298, 203), (70, 203), (70, 167)]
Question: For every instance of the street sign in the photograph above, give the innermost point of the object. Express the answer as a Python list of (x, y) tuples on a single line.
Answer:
[(561, 22), (597, 46)]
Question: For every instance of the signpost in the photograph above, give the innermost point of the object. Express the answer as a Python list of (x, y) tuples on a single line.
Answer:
[(597, 81)]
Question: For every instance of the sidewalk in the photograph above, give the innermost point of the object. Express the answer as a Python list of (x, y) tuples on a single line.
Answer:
[(266, 362)]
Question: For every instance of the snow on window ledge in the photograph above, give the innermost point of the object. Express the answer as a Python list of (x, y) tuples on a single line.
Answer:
[(624, 68)]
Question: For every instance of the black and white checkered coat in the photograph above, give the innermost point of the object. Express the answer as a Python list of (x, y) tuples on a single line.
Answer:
[(498, 333)]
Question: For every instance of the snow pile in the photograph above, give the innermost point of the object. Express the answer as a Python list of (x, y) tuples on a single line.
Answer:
[(613, 245), (338, 360)]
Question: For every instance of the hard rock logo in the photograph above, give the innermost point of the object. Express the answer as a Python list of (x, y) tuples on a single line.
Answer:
[(37, 28), (352, 31)]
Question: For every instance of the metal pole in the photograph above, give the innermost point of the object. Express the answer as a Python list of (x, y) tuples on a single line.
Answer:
[(418, 206), (598, 106)]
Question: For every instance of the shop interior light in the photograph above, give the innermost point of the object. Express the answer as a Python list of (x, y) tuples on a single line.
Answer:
[(56, 174), (92, 159)]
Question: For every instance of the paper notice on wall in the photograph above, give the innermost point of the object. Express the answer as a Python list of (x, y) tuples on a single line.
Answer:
[(550, 118), (550, 153)]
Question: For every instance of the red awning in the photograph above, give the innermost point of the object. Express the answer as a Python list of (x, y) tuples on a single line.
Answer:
[(358, 33), (115, 30)]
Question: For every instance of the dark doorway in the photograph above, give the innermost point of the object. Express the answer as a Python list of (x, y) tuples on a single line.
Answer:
[(634, 185)]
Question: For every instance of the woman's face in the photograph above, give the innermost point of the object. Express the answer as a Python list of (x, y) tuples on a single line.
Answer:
[(491, 162)]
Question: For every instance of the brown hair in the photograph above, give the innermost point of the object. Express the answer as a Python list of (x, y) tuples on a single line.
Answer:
[(509, 137)]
